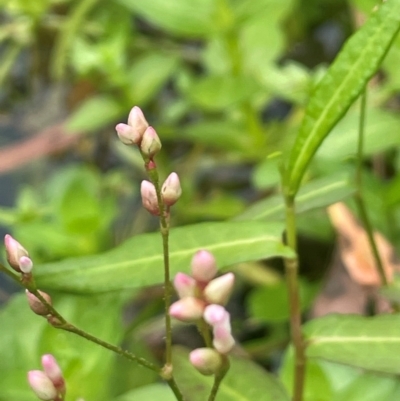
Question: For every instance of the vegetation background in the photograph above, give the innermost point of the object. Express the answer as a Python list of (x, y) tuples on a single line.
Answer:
[(225, 83)]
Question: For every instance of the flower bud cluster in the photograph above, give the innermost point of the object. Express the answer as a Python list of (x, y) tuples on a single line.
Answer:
[(202, 296), (138, 132), (17, 256), (170, 193), (49, 384)]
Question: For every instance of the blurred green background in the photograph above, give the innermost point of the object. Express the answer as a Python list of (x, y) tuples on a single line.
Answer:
[(225, 83)]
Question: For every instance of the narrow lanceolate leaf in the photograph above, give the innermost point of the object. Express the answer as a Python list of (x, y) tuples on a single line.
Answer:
[(139, 261), (371, 343), (342, 84), (315, 194), (245, 381)]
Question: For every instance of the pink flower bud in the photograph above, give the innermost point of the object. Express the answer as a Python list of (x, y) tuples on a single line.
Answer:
[(36, 305), (223, 340), (219, 319), (15, 251), (150, 144), (25, 264), (137, 121), (220, 289), (149, 197), (42, 386), (53, 372), (187, 309), (171, 189), (215, 314), (127, 134), (185, 285), (206, 360), (204, 266)]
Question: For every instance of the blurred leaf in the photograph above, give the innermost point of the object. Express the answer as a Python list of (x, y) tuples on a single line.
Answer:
[(266, 174), (179, 17), (315, 194), (73, 21), (344, 81), (245, 381), (28, 336), (270, 303), (151, 392), (220, 92), (371, 343), (227, 135), (93, 114), (138, 262), (342, 141), (148, 75)]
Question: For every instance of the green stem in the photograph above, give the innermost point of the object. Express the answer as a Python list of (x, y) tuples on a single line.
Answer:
[(164, 229), (60, 323), (218, 378), (204, 330), (359, 198), (291, 270)]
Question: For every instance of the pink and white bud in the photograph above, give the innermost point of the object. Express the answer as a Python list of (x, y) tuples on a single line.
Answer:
[(219, 290), (15, 251), (215, 314), (171, 190), (187, 309), (204, 266), (137, 121), (53, 372), (127, 135), (223, 341), (185, 285), (36, 304), (25, 264), (206, 360), (150, 144), (42, 386), (149, 197)]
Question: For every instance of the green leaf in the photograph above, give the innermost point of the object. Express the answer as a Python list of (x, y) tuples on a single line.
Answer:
[(344, 81), (316, 194), (93, 114), (139, 261), (192, 18), (245, 381), (371, 343)]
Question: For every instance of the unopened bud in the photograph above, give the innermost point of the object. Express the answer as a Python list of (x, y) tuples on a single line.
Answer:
[(149, 197), (223, 340), (187, 309), (15, 251), (204, 266), (206, 360), (36, 304), (215, 314), (219, 319), (220, 289), (42, 386), (138, 121), (127, 135), (171, 190), (185, 285), (25, 264), (150, 144), (53, 372)]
